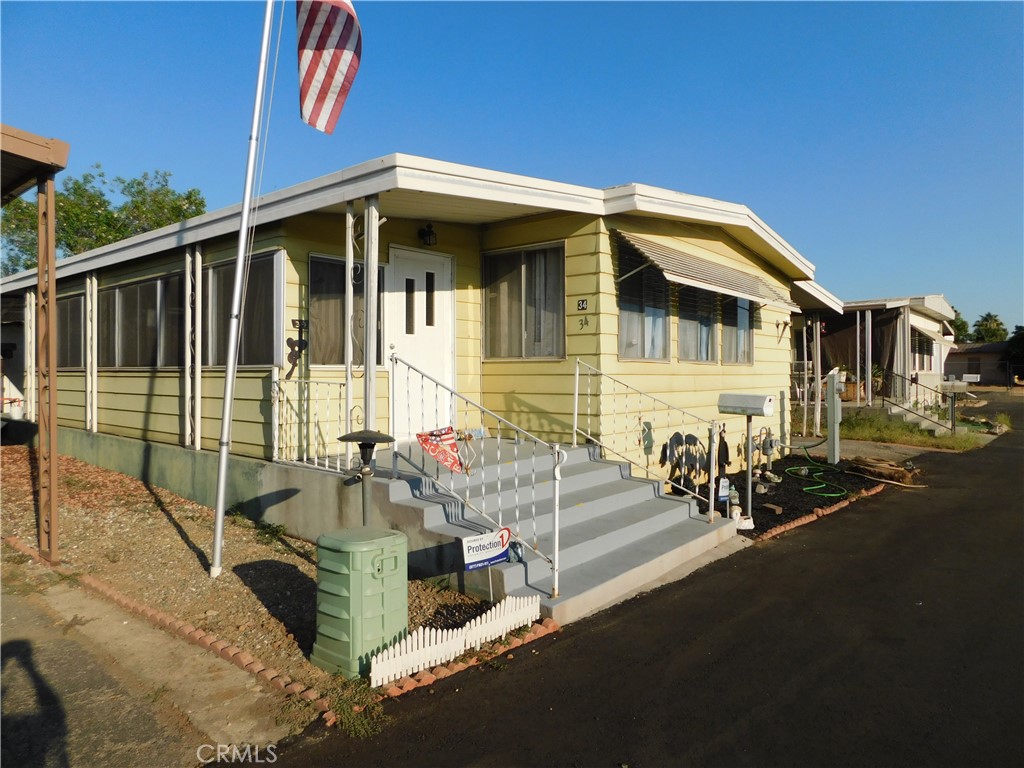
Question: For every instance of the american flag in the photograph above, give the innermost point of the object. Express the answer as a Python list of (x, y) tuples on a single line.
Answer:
[(441, 446), (330, 44)]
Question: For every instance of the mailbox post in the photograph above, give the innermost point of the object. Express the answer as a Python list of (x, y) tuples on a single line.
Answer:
[(749, 406)]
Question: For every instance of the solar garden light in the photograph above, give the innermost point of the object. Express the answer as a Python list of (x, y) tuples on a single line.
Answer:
[(367, 440)]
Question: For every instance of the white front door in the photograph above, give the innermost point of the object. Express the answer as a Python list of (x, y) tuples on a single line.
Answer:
[(420, 326)]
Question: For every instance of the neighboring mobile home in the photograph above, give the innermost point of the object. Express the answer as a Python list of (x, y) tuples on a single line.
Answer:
[(494, 286)]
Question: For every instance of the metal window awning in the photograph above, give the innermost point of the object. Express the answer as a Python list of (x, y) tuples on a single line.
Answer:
[(686, 269), (936, 337)]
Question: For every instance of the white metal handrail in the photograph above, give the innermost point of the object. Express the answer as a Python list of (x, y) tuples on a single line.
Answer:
[(310, 417), (488, 443), (626, 430)]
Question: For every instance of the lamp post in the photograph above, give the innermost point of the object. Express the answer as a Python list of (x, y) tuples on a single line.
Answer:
[(367, 440)]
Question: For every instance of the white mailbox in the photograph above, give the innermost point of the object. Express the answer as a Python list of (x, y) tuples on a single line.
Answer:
[(746, 405)]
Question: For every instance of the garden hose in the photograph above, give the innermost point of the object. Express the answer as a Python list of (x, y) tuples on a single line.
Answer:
[(815, 473)]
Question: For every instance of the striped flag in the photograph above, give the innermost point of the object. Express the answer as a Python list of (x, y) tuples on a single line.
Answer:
[(440, 445), (330, 44)]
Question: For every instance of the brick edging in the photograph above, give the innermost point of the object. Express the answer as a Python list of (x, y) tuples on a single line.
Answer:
[(249, 663), (771, 533)]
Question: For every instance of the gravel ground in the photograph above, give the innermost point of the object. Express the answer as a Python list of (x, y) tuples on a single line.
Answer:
[(152, 545)]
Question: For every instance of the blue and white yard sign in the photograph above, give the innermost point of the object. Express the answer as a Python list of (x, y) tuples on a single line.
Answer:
[(486, 549)]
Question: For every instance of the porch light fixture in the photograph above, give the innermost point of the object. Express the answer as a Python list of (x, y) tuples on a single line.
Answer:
[(367, 440), (427, 235)]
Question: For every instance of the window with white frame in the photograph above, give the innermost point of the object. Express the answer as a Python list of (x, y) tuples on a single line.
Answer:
[(70, 325), (921, 348), (257, 335), (697, 322), (643, 294), (141, 325), (327, 312), (524, 303), (737, 330)]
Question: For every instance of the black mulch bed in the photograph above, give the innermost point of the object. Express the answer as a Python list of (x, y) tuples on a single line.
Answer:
[(797, 495)]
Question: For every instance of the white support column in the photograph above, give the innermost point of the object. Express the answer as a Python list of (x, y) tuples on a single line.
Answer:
[(91, 352), (350, 245), (30, 384), (859, 380), (372, 218), (196, 372), (867, 357), (817, 374)]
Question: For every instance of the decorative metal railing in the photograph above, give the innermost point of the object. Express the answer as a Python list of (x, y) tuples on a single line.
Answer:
[(638, 428), (910, 395), (502, 469), (309, 418)]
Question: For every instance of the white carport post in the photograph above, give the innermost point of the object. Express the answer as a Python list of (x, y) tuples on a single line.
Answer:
[(817, 374), (859, 379), (867, 356), (350, 221), (803, 359), (372, 220)]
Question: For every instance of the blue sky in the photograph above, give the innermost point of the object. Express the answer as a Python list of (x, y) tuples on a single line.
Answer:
[(884, 141)]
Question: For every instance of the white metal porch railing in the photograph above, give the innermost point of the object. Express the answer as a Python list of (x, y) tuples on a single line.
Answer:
[(309, 419), (503, 464), (625, 423)]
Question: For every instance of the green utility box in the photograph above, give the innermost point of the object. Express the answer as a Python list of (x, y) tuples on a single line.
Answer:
[(362, 598)]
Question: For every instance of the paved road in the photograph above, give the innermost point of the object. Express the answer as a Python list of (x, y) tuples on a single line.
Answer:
[(891, 633)]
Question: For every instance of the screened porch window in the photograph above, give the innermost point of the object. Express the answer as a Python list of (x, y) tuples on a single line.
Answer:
[(697, 338), (327, 312), (70, 322), (643, 309), (524, 298), (256, 330), (141, 325), (737, 330)]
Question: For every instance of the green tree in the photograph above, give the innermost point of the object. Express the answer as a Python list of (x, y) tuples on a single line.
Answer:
[(961, 330), (989, 328), (93, 211)]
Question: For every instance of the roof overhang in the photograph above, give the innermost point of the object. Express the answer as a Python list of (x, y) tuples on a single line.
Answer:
[(738, 220), (933, 305), (408, 186), (25, 158), (812, 297), (685, 268)]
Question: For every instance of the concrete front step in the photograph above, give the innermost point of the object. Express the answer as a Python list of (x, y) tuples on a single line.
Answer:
[(616, 532), (618, 574)]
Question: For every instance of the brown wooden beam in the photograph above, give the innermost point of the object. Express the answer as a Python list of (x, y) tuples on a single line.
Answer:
[(46, 366)]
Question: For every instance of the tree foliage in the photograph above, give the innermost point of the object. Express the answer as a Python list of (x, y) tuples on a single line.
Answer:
[(961, 330), (1015, 349), (93, 211), (988, 328)]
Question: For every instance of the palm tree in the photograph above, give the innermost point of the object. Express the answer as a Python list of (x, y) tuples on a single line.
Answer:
[(989, 328)]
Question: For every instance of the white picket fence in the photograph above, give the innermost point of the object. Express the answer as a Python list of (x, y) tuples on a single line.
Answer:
[(426, 648)]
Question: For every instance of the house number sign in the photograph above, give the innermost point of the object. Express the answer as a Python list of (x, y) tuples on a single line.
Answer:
[(581, 306)]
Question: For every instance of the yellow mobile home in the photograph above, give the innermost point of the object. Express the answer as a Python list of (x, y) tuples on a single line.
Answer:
[(506, 307)]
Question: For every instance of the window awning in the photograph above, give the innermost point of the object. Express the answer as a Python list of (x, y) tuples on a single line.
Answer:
[(934, 336), (687, 269)]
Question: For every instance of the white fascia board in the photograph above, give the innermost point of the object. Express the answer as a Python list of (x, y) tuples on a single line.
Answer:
[(641, 198), (875, 304), (359, 181), (818, 292)]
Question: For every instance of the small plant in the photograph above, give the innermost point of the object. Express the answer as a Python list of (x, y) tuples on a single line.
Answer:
[(1004, 419), (269, 533)]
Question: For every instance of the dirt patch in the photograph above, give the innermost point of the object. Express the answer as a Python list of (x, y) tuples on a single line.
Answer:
[(152, 545), (804, 485)]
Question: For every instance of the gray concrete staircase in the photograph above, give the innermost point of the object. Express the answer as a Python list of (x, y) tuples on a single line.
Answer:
[(906, 414), (617, 532)]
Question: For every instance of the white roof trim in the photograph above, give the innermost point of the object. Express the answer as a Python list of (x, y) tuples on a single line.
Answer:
[(398, 172), (817, 292)]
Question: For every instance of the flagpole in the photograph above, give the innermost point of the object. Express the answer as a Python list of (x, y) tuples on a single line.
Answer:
[(236, 299)]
